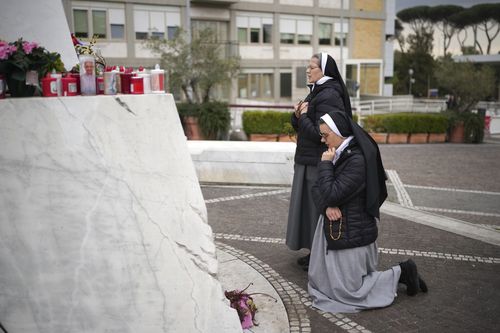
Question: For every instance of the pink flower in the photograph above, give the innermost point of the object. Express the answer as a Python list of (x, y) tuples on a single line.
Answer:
[(28, 47), (6, 50)]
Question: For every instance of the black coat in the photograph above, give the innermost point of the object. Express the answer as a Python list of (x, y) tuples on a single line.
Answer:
[(325, 98), (343, 185)]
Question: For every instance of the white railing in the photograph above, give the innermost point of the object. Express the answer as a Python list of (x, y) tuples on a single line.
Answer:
[(409, 104), (368, 107)]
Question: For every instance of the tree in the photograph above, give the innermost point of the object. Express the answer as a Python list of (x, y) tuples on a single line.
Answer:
[(422, 65), (488, 18), (196, 67), (468, 83), (461, 21), (398, 34), (440, 16), (418, 56), (418, 18)]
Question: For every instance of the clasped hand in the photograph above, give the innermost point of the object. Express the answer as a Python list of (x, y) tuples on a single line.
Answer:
[(333, 213), (300, 108), (328, 155)]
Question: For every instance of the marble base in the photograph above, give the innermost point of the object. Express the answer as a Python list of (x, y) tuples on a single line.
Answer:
[(243, 162), (103, 223)]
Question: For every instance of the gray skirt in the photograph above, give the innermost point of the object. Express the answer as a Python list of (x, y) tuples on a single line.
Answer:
[(302, 213), (346, 281)]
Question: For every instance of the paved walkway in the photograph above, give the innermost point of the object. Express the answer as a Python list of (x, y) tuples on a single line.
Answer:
[(448, 225)]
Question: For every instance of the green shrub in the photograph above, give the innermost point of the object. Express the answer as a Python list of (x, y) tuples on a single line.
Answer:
[(473, 125), (406, 123), (439, 123), (266, 122), (214, 119), (374, 123), (188, 110)]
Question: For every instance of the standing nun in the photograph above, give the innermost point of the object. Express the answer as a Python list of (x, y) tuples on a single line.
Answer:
[(343, 274), (328, 93)]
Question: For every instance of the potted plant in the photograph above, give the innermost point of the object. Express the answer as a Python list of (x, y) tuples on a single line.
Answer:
[(267, 125), (437, 128), (419, 131), (398, 126), (467, 84), (19, 58), (214, 120), (374, 126), (205, 121)]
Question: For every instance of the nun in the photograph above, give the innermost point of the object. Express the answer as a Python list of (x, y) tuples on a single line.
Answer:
[(349, 191), (328, 93)]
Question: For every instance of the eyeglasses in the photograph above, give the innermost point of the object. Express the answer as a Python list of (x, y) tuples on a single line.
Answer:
[(324, 135), (311, 68)]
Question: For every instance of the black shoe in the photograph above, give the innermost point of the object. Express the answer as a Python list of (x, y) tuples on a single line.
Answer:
[(423, 285), (409, 276), (304, 261)]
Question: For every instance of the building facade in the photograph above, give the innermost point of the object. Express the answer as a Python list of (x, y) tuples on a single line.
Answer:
[(274, 38)]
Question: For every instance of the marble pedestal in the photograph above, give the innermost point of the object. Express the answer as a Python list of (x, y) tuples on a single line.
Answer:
[(102, 221)]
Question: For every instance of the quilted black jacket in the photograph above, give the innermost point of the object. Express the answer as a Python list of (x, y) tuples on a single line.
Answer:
[(323, 99), (343, 185)]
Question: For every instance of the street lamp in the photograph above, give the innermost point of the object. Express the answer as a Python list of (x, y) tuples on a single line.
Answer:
[(412, 80)]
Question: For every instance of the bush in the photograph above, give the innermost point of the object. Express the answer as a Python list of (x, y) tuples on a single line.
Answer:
[(214, 118), (269, 122), (438, 124), (473, 125), (266, 122), (374, 124), (188, 110), (406, 123)]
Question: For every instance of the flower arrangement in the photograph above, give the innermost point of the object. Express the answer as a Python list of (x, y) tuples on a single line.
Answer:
[(20, 57)]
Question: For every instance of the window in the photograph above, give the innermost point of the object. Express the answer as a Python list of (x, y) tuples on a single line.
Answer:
[(268, 33), (156, 22), (286, 84), (341, 32), (243, 35), (254, 35), (295, 30), (218, 27), (98, 21), (117, 23), (325, 33), (301, 77), (254, 29), (80, 23), (256, 86)]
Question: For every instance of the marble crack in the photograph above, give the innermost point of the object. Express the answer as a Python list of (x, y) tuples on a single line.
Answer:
[(124, 105), (196, 259)]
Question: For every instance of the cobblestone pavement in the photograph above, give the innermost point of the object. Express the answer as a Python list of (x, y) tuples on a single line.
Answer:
[(463, 181)]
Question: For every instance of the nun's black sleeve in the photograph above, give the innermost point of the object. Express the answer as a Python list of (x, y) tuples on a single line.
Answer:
[(334, 190)]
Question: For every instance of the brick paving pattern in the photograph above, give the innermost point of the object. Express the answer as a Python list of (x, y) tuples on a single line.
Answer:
[(462, 273)]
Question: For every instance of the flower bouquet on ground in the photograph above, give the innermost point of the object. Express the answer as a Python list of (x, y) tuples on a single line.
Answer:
[(243, 303), (23, 63)]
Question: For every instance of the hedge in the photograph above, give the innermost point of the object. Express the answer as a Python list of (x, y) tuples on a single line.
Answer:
[(265, 122), (269, 122), (407, 123)]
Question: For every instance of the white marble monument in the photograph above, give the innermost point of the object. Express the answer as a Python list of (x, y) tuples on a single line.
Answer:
[(102, 220), (43, 22)]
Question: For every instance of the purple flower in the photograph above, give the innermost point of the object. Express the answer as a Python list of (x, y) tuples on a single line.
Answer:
[(6, 50), (28, 47)]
